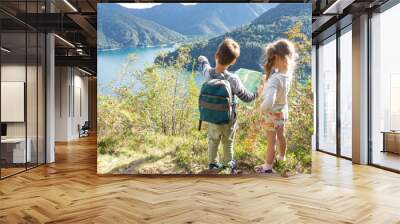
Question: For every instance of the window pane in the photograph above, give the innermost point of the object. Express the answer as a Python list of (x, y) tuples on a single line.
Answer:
[(346, 94), (31, 97), (41, 99), (327, 96), (22, 89), (14, 153), (385, 83)]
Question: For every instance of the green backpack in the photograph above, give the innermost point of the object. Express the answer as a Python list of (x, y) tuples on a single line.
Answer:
[(216, 101)]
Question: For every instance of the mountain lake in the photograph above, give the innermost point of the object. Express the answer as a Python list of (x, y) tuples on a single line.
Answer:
[(111, 63)]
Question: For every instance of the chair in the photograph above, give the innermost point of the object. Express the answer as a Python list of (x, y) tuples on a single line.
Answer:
[(84, 130)]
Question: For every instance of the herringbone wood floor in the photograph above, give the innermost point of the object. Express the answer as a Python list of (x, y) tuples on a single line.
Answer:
[(70, 191)]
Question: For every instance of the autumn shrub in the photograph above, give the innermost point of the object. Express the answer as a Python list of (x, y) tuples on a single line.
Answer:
[(107, 145), (192, 155)]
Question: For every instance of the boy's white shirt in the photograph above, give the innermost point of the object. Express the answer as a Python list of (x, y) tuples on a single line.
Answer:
[(276, 93)]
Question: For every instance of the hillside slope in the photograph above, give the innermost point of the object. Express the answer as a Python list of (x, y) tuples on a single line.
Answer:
[(268, 27)]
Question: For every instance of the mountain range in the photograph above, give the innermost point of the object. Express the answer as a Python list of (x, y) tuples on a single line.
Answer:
[(203, 19), (170, 23)]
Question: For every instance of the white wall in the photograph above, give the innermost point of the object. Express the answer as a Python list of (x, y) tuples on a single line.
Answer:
[(11, 73), (71, 94), (80, 110), (61, 103)]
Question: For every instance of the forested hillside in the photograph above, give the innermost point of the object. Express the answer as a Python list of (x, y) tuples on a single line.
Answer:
[(268, 27), (118, 27)]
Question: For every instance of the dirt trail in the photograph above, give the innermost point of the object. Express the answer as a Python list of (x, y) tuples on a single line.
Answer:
[(154, 161)]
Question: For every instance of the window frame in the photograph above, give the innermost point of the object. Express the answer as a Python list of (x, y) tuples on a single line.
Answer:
[(339, 32)]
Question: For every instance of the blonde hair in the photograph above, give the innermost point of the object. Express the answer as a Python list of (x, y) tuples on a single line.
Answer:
[(282, 48)]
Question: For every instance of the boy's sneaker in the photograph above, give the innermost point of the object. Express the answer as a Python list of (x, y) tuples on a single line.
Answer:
[(232, 166), (215, 166)]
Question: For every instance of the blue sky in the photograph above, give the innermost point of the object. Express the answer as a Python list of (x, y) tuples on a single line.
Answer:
[(145, 5)]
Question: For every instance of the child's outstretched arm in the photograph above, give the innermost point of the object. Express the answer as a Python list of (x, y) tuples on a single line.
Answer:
[(204, 66)]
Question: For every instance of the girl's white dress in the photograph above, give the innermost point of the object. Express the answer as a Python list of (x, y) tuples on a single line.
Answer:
[(275, 99)]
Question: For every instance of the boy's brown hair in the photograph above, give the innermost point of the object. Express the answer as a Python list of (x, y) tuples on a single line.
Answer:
[(228, 51)]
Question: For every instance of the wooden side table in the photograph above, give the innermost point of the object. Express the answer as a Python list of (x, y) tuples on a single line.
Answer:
[(391, 141)]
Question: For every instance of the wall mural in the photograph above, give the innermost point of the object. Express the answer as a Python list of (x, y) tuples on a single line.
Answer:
[(204, 88)]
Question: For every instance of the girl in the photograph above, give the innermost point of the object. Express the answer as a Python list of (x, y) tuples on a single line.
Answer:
[(279, 63)]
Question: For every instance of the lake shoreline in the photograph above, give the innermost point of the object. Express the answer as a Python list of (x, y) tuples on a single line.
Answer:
[(139, 47), (110, 62)]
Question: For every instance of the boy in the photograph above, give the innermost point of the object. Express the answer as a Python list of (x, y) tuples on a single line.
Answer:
[(227, 54)]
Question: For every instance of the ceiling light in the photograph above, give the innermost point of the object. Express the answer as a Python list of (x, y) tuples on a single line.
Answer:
[(64, 40), (337, 7), (5, 50), (70, 5), (84, 71), (79, 51), (331, 7)]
